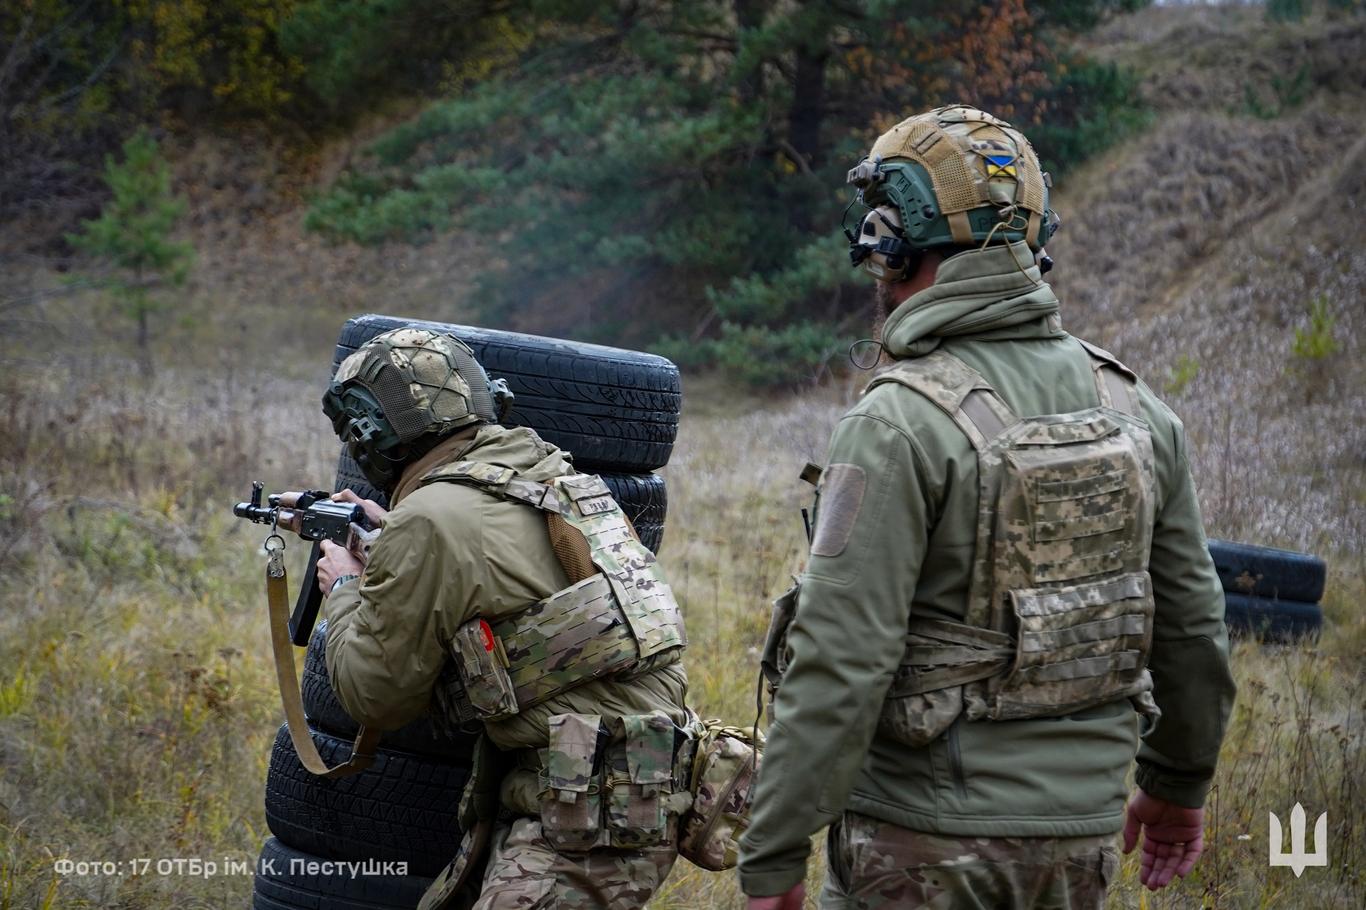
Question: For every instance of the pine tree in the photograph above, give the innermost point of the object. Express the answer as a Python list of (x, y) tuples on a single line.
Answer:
[(132, 235)]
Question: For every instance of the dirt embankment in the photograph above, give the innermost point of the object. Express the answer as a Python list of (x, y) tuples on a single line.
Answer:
[(1196, 251)]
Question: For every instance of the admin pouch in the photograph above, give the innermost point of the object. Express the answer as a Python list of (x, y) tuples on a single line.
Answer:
[(620, 619), (1060, 605), (724, 772), (625, 790)]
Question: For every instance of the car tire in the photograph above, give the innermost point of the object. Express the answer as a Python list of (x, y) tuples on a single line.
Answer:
[(427, 736), (403, 808), (642, 497), (1268, 572), (1271, 620), (283, 881), (615, 410)]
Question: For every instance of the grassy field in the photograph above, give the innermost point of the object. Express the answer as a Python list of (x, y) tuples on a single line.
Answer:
[(136, 709)]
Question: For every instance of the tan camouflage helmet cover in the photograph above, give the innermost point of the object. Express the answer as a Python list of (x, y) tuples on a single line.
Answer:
[(974, 160), (426, 382)]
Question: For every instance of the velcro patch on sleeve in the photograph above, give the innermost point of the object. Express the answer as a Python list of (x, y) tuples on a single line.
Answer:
[(841, 498)]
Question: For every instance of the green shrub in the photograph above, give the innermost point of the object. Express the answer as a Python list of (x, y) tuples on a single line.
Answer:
[(1093, 105), (1289, 92), (1181, 375), (1285, 10)]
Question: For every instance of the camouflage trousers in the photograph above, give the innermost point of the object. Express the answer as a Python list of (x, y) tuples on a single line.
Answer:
[(525, 872), (875, 864)]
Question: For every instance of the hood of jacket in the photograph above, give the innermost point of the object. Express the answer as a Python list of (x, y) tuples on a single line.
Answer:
[(518, 448), (997, 292)]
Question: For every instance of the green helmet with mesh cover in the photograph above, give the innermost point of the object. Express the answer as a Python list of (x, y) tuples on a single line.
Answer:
[(404, 390), (951, 177)]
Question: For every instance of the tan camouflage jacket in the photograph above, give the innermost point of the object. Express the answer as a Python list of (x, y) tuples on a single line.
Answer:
[(449, 553), (909, 552)]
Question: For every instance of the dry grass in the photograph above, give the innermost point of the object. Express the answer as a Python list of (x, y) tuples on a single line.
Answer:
[(136, 709)]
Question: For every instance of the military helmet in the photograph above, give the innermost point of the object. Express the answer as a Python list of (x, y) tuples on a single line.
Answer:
[(402, 391), (956, 176)]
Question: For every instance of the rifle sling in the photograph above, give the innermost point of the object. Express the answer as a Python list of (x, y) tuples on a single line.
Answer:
[(363, 750)]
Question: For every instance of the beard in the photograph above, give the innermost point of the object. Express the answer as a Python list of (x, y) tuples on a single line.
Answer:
[(883, 304)]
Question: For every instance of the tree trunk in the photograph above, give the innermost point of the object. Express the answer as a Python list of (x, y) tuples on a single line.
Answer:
[(808, 104), (804, 121), (144, 347), (749, 15)]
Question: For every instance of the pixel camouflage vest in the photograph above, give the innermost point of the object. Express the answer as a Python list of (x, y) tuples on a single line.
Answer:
[(621, 619), (1060, 605)]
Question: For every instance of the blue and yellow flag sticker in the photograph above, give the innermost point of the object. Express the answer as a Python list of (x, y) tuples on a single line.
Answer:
[(1000, 166)]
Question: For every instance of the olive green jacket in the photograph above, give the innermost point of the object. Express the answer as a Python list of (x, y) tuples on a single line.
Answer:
[(449, 553), (910, 554)]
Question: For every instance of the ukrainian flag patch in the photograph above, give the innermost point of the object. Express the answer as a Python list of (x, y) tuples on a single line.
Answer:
[(1000, 166)]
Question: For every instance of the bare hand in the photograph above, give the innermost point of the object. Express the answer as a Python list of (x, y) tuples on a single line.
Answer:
[(374, 512), (792, 900), (335, 562), (1173, 838)]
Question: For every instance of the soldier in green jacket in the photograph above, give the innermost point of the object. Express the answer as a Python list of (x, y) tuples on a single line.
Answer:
[(506, 588), (998, 605)]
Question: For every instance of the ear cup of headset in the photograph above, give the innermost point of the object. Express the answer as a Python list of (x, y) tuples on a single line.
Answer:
[(881, 247)]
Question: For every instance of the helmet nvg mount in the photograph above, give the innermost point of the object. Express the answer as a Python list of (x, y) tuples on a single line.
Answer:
[(403, 390), (952, 177)]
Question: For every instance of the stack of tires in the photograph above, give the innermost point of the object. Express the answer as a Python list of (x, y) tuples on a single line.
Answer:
[(1268, 593), (337, 843)]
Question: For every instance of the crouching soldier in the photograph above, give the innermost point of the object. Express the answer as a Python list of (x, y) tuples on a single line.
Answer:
[(508, 591)]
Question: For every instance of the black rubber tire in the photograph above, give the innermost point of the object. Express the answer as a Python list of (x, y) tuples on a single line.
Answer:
[(1268, 572), (426, 736), (615, 410), (645, 500), (1271, 620), (282, 882), (643, 497), (401, 808)]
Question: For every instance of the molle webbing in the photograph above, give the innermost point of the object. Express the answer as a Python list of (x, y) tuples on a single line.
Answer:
[(940, 653), (565, 640), (631, 569), (618, 617), (498, 481), (1060, 608)]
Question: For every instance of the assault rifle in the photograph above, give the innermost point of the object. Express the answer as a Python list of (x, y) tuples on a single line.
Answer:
[(313, 516)]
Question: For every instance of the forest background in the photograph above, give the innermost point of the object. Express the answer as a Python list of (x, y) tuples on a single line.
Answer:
[(194, 195)]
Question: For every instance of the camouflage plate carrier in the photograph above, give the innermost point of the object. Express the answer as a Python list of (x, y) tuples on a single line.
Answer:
[(1060, 604), (620, 619)]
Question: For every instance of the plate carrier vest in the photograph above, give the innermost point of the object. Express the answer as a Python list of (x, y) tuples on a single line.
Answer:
[(1060, 604), (620, 620)]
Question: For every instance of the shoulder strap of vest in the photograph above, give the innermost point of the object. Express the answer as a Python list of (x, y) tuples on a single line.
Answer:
[(958, 390), (496, 481), (1116, 384)]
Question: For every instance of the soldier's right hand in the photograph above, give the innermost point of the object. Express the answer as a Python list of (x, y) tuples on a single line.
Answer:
[(374, 512), (1173, 838)]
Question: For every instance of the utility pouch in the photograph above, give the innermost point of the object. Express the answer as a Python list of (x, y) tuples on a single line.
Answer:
[(482, 665), (571, 791), (920, 718), (773, 659), (1078, 646), (926, 694), (725, 770), (640, 783)]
